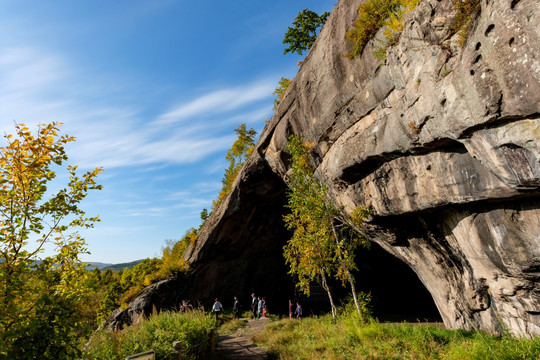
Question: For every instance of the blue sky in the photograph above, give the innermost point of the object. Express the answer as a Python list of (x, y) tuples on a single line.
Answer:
[(152, 90)]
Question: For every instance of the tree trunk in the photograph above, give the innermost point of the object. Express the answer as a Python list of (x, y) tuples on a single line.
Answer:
[(347, 270), (327, 288)]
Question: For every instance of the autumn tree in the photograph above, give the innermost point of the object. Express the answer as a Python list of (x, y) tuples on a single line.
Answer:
[(303, 33), (283, 85), (236, 156), (39, 294), (324, 236)]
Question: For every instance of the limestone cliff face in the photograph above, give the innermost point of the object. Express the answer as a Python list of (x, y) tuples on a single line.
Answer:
[(442, 142)]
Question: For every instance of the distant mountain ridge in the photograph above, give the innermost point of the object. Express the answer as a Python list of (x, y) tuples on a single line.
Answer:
[(104, 266)]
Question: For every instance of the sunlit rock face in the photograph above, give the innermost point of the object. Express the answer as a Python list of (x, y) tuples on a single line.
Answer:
[(442, 142)]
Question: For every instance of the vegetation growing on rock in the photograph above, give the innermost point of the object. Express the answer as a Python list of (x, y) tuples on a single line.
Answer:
[(302, 35), (237, 155), (466, 11), (323, 241), (372, 16)]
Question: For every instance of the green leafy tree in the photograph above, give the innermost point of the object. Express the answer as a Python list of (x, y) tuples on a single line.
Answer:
[(39, 294), (324, 237), (237, 155), (280, 91), (204, 214), (303, 33)]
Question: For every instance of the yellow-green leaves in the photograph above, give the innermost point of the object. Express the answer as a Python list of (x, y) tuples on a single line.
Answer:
[(372, 16), (236, 156), (38, 295)]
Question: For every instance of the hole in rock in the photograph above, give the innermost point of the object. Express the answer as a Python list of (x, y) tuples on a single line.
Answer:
[(514, 3), (489, 29), (397, 293), (511, 42), (478, 46)]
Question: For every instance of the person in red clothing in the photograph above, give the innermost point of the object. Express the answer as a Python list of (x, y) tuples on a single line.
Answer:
[(290, 309)]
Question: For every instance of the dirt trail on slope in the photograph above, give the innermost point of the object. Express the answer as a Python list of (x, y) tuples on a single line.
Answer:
[(239, 345)]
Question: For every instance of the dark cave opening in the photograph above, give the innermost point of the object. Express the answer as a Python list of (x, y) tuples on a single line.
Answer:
[(397, 294)]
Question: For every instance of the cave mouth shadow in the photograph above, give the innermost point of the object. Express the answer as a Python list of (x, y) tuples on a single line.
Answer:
[(397, 294)]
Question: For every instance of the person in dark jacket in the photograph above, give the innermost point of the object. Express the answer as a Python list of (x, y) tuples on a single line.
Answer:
[(236, 308), (254, 305)]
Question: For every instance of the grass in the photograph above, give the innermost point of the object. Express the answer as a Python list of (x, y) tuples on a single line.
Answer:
[(232, 326), (157, 333), (319, 338)]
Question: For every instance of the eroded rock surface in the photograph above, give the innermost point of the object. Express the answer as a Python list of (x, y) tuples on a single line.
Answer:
[(441, 141)]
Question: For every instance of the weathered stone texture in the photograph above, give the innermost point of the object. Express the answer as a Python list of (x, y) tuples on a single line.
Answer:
[(442, 142), (445, 136)]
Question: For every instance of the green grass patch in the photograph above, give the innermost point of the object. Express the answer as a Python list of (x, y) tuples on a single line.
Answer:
[(157, 333), (232, 326), (320, 338)]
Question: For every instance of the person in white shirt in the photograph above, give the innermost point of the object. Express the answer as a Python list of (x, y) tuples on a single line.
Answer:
[(217, 308)]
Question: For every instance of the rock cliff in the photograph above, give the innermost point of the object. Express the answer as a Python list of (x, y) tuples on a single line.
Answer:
[(442, 141)]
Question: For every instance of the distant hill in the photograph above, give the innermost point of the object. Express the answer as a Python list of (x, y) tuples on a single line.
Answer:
[(116, 267)]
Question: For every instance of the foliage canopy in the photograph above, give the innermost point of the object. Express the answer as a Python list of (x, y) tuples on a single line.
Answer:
[(236, 156), (302, 35), (39, 317), (324, 236)]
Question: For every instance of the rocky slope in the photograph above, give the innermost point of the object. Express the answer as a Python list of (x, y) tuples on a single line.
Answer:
[(441, 141)]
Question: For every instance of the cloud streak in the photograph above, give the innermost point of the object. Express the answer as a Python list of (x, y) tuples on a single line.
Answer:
[(38, 87), (219, 101)]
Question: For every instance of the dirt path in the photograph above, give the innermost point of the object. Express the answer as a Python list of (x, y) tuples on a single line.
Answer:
[(239, 345)]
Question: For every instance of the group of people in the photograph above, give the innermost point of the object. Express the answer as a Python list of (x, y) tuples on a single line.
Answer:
[(186, 305), (258, 307), (297, 312)]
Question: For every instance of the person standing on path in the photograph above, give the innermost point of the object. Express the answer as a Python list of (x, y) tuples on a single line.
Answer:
[(236, 308), (259, 308), (298, 311), (254, 305), (290, 309), (217, 308)]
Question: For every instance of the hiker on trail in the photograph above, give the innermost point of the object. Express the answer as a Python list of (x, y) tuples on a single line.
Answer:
[(217, 308), (298, 311), (259, 308), (254, 305), (264, 308), (290, 309), (236, 308)]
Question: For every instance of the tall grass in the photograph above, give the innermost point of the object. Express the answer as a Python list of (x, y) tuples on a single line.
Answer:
[(319, 338), (157, 333)]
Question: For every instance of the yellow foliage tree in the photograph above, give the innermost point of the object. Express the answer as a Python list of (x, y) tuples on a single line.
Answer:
[(39, 294)]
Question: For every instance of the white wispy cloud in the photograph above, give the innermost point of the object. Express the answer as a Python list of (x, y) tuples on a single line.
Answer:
[(219, 101), (40, 86)]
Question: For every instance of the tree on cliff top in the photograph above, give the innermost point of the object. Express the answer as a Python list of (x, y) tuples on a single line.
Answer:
[(39, 318), (237, 155), (302, 35), (324, 237)]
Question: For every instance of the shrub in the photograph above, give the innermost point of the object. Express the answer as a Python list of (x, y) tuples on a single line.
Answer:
[(372, 16), (157, 333), (467, 10)]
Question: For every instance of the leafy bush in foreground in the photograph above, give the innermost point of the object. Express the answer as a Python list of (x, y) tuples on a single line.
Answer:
[(157, 333)]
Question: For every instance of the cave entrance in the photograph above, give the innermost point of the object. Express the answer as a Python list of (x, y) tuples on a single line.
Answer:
[(396, 291)]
